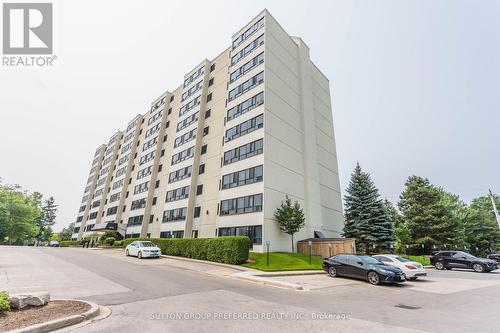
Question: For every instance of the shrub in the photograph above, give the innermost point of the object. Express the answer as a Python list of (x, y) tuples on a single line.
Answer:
[(109, 241), (228, 249), (4, 302), (70, 243), (118, 243)]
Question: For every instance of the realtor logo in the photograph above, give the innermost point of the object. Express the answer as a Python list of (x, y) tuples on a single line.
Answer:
[(27, 28)]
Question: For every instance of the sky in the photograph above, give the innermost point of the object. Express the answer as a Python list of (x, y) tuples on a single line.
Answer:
[(414, 84)]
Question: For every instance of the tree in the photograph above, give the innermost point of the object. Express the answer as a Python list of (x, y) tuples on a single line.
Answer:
[(427, 214), (366, 217), (18, 214), (47, 220), (401, 232), (67, 232), (290, 218)]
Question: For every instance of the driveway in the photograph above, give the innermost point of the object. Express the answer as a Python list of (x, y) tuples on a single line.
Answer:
[(160, 296)]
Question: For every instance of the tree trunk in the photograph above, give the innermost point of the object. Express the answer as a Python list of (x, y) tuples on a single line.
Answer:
[(292, 243)]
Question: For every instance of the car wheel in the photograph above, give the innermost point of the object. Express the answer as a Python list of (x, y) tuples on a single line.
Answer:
[(478, 268), (439, 265), (373, 277), (139, 255), (126, 253), (332, 271)]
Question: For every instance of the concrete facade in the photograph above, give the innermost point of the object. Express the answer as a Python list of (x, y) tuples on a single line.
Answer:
[(217, 155)]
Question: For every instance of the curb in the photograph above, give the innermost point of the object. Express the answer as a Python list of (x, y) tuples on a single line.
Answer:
[(61, 322), (266, 281), (235, 267), (291, 273)]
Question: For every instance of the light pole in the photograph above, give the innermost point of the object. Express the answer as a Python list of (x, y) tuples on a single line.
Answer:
[(423, 254), (330, 249), (310, 243), (268, 244)]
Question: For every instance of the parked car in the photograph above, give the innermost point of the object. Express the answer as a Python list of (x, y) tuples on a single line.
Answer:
[(459, 259), (412, 269), (362, 267), (494, 256), (53, 244), (143, 249)]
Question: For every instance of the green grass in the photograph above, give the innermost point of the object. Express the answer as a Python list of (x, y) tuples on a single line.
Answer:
[(423, 260), (283, 261)]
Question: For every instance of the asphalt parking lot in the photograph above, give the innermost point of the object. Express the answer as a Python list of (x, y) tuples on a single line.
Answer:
[(144, 294)]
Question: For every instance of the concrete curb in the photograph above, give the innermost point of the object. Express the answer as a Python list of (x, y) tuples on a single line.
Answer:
[(235, 267), (61, 322), (265, 281), (291, 273)]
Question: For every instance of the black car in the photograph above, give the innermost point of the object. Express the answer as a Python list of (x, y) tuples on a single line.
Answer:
[(494, 256), (459, 259), (362, 267)]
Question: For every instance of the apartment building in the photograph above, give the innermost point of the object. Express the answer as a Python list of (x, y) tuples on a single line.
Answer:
[(218, 154)]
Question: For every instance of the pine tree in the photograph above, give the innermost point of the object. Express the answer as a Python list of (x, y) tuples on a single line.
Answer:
[(47, 220), (290, 217), (365, 214)]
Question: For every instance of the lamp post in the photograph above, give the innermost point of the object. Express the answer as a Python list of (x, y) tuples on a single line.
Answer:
[(423, 254), (310, 246), (406, 250), (392, 248), (268, 244), (330, 249)]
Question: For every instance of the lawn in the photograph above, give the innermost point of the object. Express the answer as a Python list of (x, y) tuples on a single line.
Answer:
[(283, 261), (423, 260)]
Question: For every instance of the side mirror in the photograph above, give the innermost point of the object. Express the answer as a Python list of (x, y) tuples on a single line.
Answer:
[(360, 263), (464, 257)]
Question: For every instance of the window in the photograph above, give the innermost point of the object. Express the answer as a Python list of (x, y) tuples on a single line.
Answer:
[(201, 169), (189, 106), (243, 152), (247, 67), (210, 82), (243, 177), (212, 67), (187, 121), (241, 205), (154, 201), (178, 194), (247, 50), (183, 155), (192, 91), (207, 114), (144, 172), (135, 220), (246, 86), (245, 127), (114, 197), (180, 174), (245, 106), (126, 148), (205, 130), (178, 214), (249, 32), (172, 98), (92, 215), (194, 76), (146, 158), (82, 209), (152, 130), (138, 204), (121, 171), (209, 97), (117, 184), (157, 184), (199, 189), (150, 143), (172, 234), (141, 188), (203, 149), (111, 210), (185, 138), (151, 219), (162, 153), (154, 118), (254, 232), (96, 203), (128, 137), (79, 219), (197, 211)]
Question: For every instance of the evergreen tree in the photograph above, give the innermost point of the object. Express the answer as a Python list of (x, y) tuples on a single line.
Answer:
[(67, 232), (427, 213), (290, 217), (365, 214), (47, 220)]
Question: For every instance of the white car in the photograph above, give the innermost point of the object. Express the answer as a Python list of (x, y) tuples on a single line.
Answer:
[(143, 249), (412, 269)]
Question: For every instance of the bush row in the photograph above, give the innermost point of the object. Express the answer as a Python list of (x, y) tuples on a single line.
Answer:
[(70, 243), (229, 249)]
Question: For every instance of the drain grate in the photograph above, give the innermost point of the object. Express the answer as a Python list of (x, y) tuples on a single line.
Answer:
[(407, 307)]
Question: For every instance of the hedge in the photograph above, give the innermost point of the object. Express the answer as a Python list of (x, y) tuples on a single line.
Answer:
[(109, 241), (4, 302), (118, 243), (70, 243), (226, 249)]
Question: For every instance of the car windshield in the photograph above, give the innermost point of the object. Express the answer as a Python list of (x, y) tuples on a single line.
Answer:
[(370, 260), (401, 259), (146, 244)]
